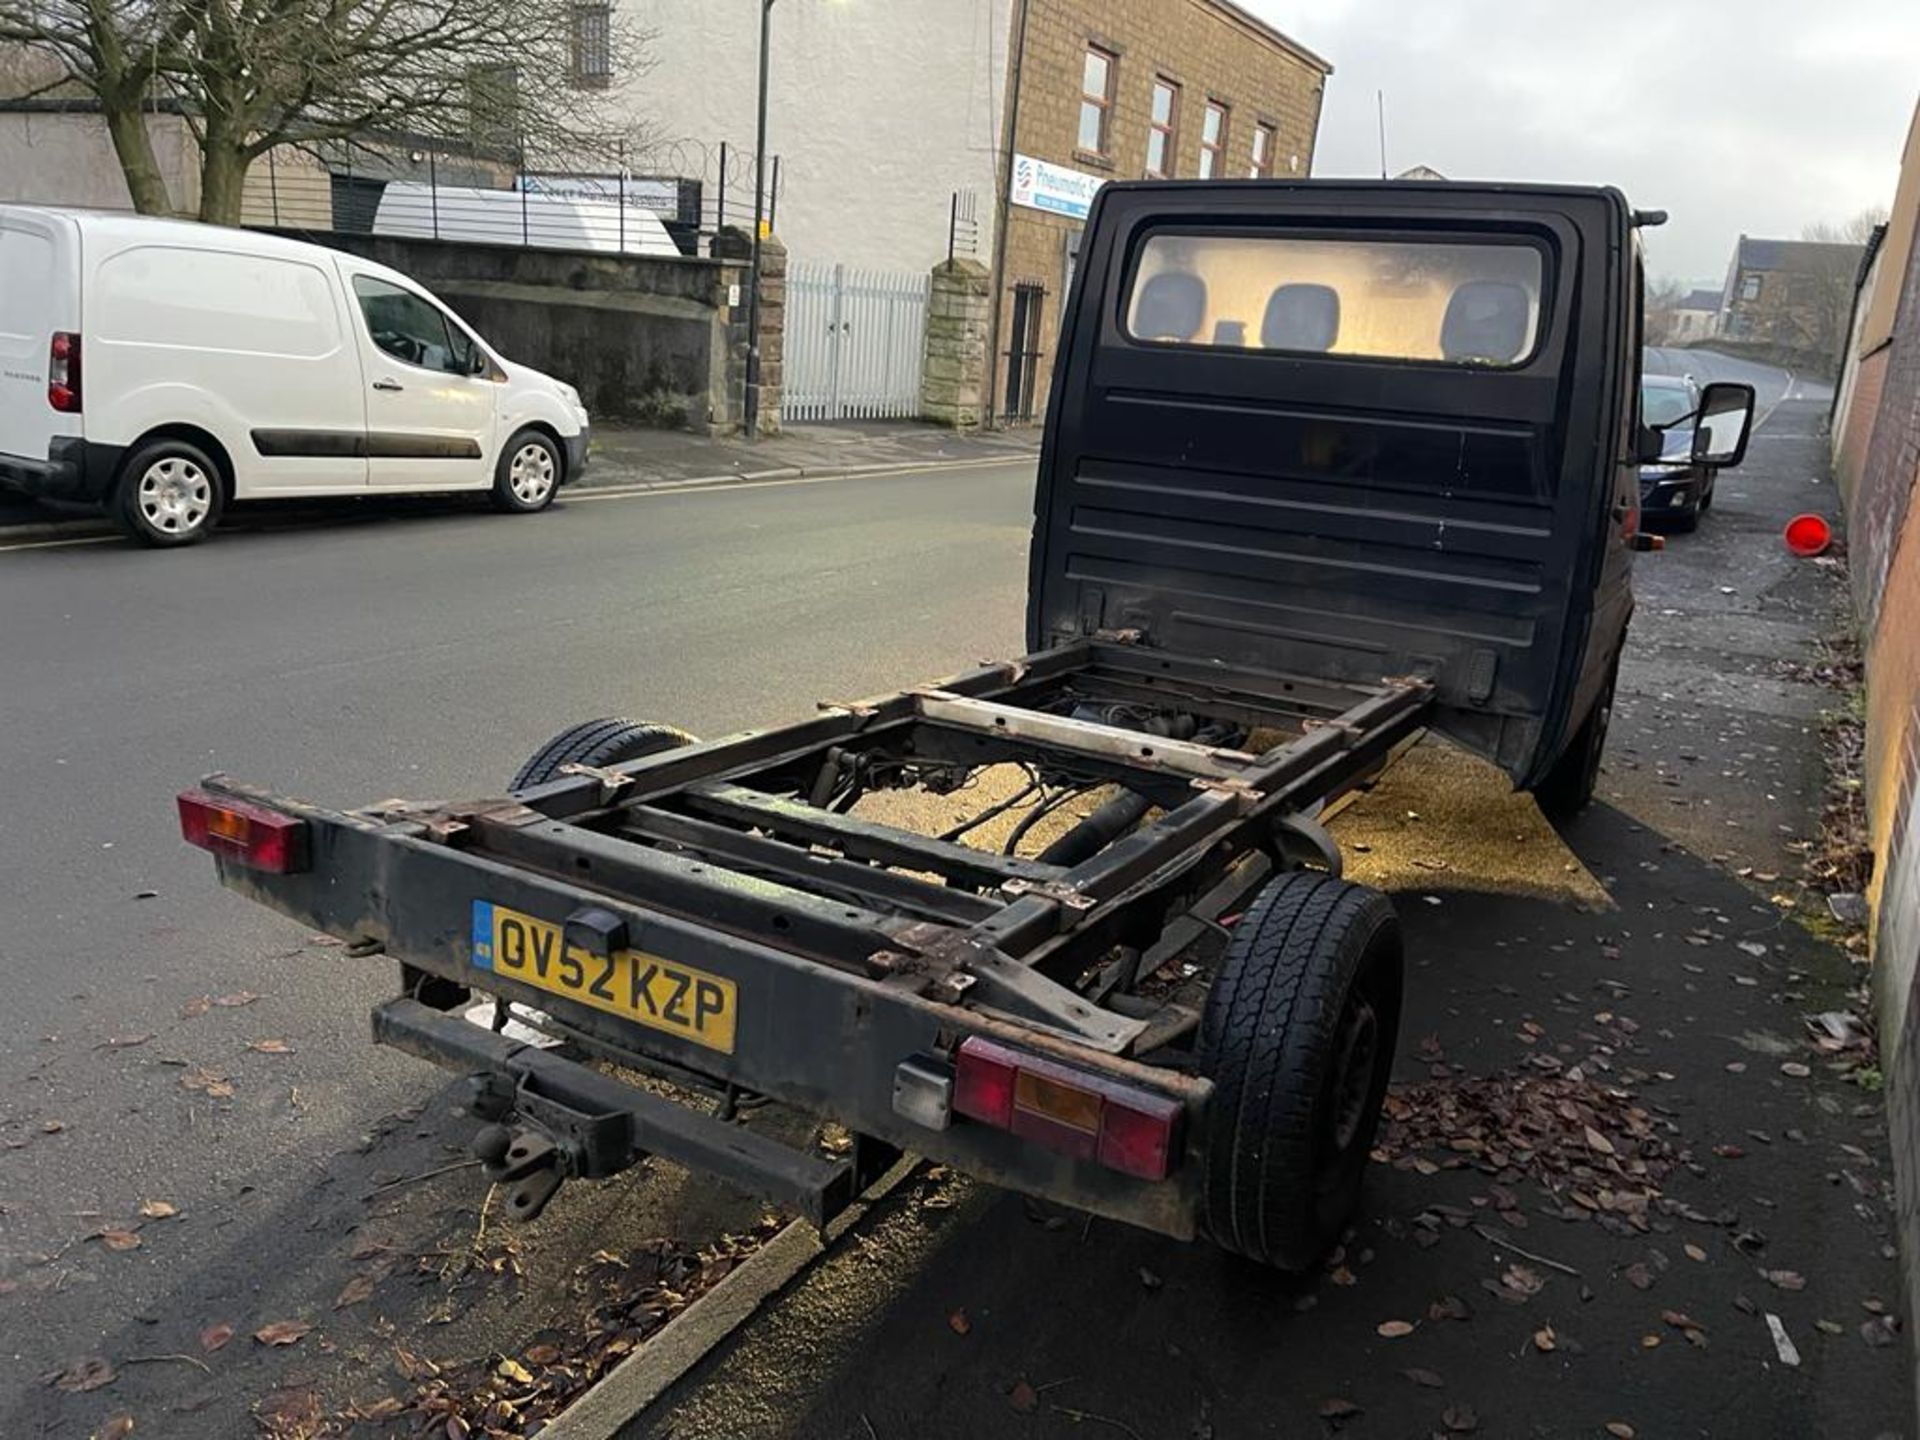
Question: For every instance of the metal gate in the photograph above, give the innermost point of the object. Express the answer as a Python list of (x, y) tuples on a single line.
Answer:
[(854, 344)]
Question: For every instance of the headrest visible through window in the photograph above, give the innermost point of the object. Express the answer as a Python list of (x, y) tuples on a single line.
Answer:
[(1170, 306), (1487, 320), (1301, 317)]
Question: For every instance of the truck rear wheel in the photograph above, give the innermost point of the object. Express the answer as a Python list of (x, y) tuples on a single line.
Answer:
[(597, 742), (1298, 1039), (1569, 786)]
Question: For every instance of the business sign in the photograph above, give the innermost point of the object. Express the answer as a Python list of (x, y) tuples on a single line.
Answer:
[(661, 197), (1053, 188)]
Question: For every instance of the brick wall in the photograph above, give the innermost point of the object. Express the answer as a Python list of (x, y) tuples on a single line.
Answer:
[(1210, 52)]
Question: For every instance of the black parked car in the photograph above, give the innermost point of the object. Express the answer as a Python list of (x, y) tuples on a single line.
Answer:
[(1675, 490)]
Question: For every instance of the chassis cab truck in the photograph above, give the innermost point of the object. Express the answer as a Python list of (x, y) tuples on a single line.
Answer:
[(1326, 465)]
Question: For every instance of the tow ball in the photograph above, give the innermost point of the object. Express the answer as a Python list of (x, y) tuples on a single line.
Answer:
[(553, 1141)]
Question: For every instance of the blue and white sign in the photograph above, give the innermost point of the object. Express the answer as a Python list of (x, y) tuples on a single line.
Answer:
[(1053, 188)]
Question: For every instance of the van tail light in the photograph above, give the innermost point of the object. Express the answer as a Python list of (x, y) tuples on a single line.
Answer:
[(63, 372), (1085, 1116), (259, 838)]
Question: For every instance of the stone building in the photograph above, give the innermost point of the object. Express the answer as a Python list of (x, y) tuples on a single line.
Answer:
[(1124, 90), (1794, 296)]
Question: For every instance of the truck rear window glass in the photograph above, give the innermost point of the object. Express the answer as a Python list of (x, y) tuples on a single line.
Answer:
[(1455, 303)]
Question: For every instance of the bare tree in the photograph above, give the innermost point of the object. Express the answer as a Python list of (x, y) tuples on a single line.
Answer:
[(1663, 296), (111, 50), (1821, 296), (249, 75), (1856, 231)]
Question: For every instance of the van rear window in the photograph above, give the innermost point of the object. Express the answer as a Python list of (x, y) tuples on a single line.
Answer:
[(1472, 303)]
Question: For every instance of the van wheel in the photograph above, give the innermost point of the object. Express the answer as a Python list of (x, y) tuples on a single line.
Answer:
[(1298, 1038), (170, 493), (596, 742), (1569, 786), (527, 474)]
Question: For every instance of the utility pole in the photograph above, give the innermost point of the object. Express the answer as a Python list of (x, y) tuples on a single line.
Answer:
[(1002, 213), (759, 218), (1380, 101)]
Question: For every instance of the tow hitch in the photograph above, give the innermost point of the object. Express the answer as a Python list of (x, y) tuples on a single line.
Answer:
[(577, 1123)]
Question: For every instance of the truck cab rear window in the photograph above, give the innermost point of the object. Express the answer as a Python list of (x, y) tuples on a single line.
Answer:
[(1458, 304)]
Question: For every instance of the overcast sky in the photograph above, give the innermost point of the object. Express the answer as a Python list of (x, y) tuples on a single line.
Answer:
[(1758, 117)]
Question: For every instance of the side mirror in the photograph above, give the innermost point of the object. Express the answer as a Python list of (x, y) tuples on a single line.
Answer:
[(1724, 421)]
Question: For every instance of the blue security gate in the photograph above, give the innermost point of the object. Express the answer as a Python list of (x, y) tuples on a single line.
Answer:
[(854, 344)]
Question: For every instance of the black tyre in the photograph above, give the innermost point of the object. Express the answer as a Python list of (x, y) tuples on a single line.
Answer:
[(1687, 521), (597, 742), (1298, 1039), (170, 492), (528, 473), (1568, 788), (1706, 492)]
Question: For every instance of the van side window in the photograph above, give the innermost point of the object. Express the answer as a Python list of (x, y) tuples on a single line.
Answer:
[(408, 328)]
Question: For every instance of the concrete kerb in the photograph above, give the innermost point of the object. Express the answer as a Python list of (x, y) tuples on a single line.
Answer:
[(78, 529), (626, 1392)]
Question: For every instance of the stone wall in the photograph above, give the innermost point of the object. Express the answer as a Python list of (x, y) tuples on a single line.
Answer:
[(953, 383), (1210, 52), (736, 245), (649, 339)]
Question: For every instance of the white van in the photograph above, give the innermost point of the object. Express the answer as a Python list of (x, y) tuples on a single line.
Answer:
[(163, 368)]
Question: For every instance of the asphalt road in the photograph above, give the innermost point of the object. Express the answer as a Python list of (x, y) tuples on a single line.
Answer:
[(422, 655), (962, 1312)]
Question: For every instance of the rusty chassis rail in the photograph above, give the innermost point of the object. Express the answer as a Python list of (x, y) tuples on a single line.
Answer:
[(848, 959)]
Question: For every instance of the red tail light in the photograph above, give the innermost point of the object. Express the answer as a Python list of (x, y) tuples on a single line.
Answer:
[(259, 838), (1086, 1116), (63, 372)]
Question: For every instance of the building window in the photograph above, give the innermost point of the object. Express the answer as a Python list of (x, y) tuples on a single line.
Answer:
[(1262, 153), (1750, 288), (593, 45), (1163, 130), (1213, 141), (1096, 100)]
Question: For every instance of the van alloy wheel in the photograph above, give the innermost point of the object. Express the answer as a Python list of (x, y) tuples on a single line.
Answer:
[(175, 496), (531, 474)]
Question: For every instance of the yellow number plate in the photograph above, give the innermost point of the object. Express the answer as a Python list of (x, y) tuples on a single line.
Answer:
[(661, 994)]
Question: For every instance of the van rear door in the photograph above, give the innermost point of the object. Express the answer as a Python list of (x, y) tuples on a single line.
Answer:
[(39, 295), (1342, 433)]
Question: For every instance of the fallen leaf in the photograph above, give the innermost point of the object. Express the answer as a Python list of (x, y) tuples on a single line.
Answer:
[(1830, 1327), (1544, 1339), (282, 1332), (271, 1047), (1460, 1419), (1149, 1279), (1393, 1329), (214, 1336), (158, 1210), (387, 1407), (1880, 1330), (356, 1290), (83, 1375), (117, 1427), (1694, 1252), (195, 1007), (115, 1238), (1649, 1342), (1620, 1430), (1522, 1279), (1449, 1307), (125, 1042), (1598, 1142), (1429, 1378), (1023, 1398), (210, 1082), (289, 1414), (1339, 1410), (959, 1323), (542, 1354), (52, 1127), (456, 1428), (1795, 1069), (1639, 1276), (1784, 1279), (511, 1369), (235, 1000), (1342, 1275), (1680, 1320)]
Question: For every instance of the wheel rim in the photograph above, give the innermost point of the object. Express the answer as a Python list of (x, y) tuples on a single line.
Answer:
[(175, 496), (1356, 1058), (531, 474)]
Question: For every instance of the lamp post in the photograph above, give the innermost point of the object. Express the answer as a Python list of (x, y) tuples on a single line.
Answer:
[(759, 214)]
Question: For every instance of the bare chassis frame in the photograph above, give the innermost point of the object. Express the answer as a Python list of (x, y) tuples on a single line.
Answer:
[(848, 958)]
